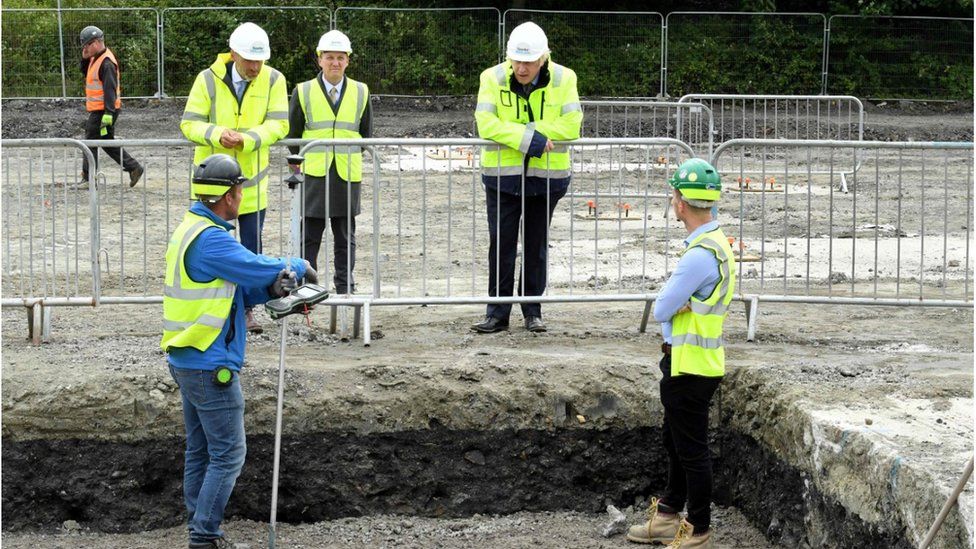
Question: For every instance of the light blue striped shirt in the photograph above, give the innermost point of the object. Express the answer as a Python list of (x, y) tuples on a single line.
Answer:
[(695, 275)]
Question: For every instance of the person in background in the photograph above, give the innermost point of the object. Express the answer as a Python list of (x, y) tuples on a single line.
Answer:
[(239, 106), (524, 104), (103, 101), (331, 106)]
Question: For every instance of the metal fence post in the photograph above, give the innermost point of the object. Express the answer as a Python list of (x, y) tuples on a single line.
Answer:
[(64, 83)]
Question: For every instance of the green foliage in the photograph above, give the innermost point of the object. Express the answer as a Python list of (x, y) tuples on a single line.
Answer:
[(416, 52)]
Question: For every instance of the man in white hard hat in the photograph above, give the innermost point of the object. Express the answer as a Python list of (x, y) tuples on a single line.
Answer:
[(103, 101), (239, 106), (524, 105), (331, 106)]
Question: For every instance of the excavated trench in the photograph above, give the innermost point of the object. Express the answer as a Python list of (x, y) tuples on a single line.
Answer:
[(125, 487)]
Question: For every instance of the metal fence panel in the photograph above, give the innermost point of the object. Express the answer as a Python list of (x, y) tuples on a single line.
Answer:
[(614, 54), (903, 232), (34, 52), (421, 51), (731, 52), (193, 37), (689, 122), (901, 57), (32, 66), (50, 226)]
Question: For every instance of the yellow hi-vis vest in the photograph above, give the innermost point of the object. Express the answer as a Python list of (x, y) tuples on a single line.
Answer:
[(193, 312), (697, 346), (503, 117), (322, 123), (262, 117)]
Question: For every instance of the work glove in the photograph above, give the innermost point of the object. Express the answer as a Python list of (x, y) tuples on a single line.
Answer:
[(106, 122), (311, 276), (285, 283)]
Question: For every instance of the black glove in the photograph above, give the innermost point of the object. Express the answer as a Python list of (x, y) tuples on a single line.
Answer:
[(284, 284), (311, 276)]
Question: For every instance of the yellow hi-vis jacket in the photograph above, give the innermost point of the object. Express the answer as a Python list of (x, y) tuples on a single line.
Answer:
[(697, 346), (322, 123), (193, 312), (508, 119), (261, 116)]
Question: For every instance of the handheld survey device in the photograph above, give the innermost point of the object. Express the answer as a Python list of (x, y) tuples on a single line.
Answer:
[(299, 300)]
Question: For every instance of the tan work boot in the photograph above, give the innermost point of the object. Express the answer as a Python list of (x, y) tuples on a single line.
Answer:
[(252, 325), (686, 538), (660, 527)]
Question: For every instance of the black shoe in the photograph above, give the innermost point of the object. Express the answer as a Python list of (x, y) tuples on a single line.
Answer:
[(534, 324), (216, 543), (135, 175), (490, 325)]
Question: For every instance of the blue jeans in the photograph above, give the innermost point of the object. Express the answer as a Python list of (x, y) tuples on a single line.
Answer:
[(249, 227), (215, 447)]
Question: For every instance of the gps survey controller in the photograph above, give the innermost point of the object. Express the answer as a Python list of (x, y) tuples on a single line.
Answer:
[(300, 300)]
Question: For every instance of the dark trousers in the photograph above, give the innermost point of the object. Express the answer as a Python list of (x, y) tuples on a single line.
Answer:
[(685, 435), (249, 227), (93, 130), (504, 213), (344, 248)]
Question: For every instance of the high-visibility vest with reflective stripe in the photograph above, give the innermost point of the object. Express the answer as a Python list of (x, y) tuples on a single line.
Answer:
[(94, 87), (262, 118), (697, 346), (322, 123), (194, 313), (503, 117)]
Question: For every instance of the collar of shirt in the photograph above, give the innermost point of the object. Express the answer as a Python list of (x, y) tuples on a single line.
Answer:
[(710, 226), (236, 78), (201, 210), (329, 86)]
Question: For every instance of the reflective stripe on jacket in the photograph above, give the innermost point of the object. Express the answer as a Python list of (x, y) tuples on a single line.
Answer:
[(322, 123), (193, 312), (508, 119), (261, 116), (697, 345), (94, 87)]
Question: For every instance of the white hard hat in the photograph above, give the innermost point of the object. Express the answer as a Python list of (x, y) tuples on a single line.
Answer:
[(334, 41), (527, 43), (251, 42)]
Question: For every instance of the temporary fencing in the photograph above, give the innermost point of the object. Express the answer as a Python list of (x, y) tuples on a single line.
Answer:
[(606, 49), (441, 51), (689, 122), (790, 45), (901, 236), (51, 36), (438, 51), (887, 57)]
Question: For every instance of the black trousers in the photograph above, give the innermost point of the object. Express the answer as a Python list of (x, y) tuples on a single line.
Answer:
[(93, 130), (685, 435), (504, 213), (344, 240)]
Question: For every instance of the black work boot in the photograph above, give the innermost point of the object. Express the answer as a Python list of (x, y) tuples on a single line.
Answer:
[(490, 325)]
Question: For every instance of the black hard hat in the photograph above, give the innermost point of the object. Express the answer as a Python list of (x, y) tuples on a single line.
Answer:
[(215, 175), (90, 33)]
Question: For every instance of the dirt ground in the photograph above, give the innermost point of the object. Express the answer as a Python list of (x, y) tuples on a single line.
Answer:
[(830, 367)]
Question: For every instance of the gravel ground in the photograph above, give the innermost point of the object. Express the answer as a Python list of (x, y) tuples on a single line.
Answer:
[(547, 529)]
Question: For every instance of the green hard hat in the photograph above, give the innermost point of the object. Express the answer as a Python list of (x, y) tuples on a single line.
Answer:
[(697, 180)]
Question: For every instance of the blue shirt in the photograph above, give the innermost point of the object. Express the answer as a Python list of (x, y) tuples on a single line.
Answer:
[(214, 253), (696, 275)]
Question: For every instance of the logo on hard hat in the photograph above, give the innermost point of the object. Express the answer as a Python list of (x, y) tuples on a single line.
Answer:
[(693, 177), (257, 47), (523, 48), (683, 174)]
